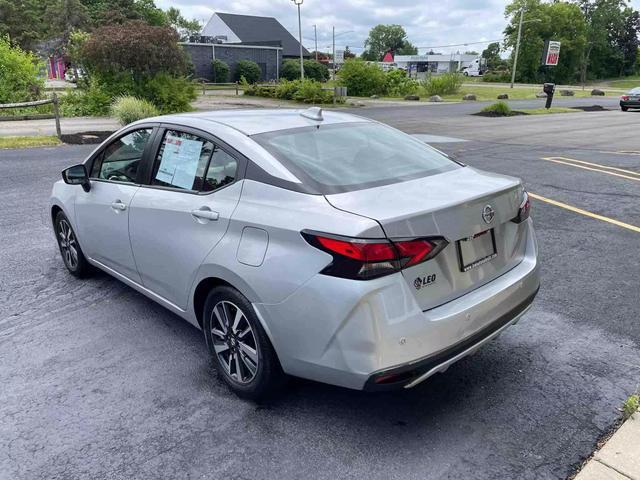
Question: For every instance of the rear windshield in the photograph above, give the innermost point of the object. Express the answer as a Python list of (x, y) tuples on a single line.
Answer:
[(634, 91), (352, 156)]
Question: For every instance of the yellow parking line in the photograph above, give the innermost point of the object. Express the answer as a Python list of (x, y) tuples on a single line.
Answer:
[(571, 163), (633, 228), (597, 165)]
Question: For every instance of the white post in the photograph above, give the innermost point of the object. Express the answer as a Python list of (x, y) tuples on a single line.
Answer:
[(300, 34), (515, 55)]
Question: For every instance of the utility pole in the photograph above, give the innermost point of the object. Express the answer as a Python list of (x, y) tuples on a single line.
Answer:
[(515, 55), (298, 3), (334, 52), (315, 34)]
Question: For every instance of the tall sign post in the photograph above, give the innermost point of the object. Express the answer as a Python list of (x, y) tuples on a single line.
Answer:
[(550, 58)]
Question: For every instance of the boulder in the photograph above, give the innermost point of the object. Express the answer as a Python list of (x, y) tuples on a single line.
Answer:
[(412, 97), (470, 97), (596, 92), (503, 96), (435, 98), (567, 93), (541, 95)]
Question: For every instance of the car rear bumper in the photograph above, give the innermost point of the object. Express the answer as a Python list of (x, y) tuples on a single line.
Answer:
[(630, 104), (373, 335)]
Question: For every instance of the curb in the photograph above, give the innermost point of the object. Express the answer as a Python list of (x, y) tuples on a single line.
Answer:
[(619, 458)]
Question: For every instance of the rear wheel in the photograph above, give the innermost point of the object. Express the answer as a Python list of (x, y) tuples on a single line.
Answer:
[(239, 347), (70, 250), (624, 109)]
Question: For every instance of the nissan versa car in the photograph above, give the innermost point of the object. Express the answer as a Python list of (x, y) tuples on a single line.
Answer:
[(315, 244), (630, 99)]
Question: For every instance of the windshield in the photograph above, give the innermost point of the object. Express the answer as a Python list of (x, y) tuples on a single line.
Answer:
[(343, 157)]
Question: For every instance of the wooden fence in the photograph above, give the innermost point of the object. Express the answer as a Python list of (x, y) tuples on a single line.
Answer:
[(53, 100)]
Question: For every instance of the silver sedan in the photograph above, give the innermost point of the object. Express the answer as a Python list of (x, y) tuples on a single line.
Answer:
[(315, 244)]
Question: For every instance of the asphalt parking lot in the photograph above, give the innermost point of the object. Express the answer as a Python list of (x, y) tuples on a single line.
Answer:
[(96, 381)]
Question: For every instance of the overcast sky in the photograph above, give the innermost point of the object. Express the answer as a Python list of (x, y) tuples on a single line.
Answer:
[(428, 23)]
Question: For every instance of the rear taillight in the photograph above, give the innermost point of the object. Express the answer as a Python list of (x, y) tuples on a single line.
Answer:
[(365, 259), (524, 211), (624, 97)]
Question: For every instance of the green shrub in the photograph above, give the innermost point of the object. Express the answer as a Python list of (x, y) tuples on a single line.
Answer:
[(312, 70), (220, 71), (362, 79), (287, 89), (310, 91), (501, 77), (169, 94), (499, 108), (91, 102), (130, 109), (399, 85), (445, 84), (306, 91), (249, 70), (19, 70)]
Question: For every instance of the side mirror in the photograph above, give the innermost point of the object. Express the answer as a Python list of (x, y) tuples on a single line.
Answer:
[(77, 175)]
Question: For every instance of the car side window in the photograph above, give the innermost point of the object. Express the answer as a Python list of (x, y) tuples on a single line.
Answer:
[(120, 159), (222, 171), (182, 161)]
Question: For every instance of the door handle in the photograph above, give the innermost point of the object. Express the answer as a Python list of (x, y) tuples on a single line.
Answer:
[(118, 206), (205, 213)]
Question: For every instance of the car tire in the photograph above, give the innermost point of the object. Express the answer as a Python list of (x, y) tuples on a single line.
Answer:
[(239, 347), (72, 255), (624, 109)]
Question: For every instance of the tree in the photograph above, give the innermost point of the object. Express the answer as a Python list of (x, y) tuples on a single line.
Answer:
[(21, 22), (348, 53), (559, 21), (185, 28), (63, 17), (134, 47), (491, 54), (385, 38), (627, 41)]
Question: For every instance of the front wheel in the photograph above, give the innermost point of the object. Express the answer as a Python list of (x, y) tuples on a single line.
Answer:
[(239, 346), (70, 250)]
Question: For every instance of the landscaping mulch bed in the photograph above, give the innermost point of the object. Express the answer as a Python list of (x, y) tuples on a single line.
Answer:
[(85, 138), (514, 113), (592, 108)]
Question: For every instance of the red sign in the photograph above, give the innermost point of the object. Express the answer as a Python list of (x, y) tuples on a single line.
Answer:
[(551, 54)]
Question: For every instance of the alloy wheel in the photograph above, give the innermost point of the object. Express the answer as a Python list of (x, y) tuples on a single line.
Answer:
[(234, 342), (68, 244)]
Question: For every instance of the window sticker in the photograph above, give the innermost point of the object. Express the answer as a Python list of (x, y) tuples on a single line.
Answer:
[(179, 162)]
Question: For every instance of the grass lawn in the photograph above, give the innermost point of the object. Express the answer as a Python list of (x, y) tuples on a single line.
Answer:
[(28, 142), (626, 83)]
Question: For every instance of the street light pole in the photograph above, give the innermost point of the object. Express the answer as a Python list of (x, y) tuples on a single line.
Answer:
[(315, 35), (515, 55), (298, 3), (334, 52)]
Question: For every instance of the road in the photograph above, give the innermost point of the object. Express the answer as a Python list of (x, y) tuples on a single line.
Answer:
[(100, 382)]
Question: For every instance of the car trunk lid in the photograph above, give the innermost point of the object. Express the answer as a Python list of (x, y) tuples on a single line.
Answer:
[(449, 205)]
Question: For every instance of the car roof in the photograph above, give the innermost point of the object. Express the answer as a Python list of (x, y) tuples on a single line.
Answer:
[(253, 122)]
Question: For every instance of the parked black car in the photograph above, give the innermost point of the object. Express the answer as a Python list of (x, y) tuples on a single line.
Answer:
[(630, 99)]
